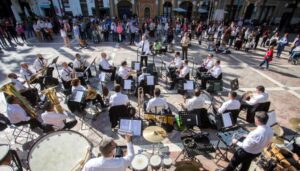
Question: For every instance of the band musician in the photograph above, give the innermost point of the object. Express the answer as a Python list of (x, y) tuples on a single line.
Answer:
[(197, 102), (56, 120), (252, 145), (207, 64), (118, 98), (124, 72), (177, 62), (110, 160), (231, 104), (30, 77), (80, 66), (156, 102), (66, 74), (40, 64), (145, 50), (143, 83), (91, 94), (18, 116), (19, 85), (180, 74), (106, 67), (260, 96), (212, 74)]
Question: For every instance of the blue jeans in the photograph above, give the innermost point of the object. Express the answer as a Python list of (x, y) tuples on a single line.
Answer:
[(263, 62), (280, 48)]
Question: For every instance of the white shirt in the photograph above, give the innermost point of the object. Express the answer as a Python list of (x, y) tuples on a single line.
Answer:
[(258, 98), (76, 64), (195, 103), (178, 62), (16, 113), (63, 33), (257, 139), (26, 74), (105, 64), (118, 99), (156, 102), (78, 88), (55, 119), (208, 63), (111, 164), (124, 72), (39, 64), (66, 74), (184, 71), (142, 77), (230, 105), (216, 71), (18, 84), (146, 47)]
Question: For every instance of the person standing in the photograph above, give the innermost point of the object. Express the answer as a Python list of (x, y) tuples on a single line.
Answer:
[(253, 145), (185, 41), (281, 44), (64, 35), (145, 50), (268, 57)]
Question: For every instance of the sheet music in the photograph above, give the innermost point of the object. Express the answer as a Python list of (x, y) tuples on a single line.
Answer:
[(137, 66), (226, 119), (189, 85), (78, 96), (132, 125), (272, 118), (102, 76), (127, 84), (150, 80)]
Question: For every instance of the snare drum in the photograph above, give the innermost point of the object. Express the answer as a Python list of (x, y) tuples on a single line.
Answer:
[(6, 168), (140, 163), (155, 162), (167, 162), (59, 151)]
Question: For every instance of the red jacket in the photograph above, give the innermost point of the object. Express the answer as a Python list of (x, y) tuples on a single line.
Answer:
[(269, 55)]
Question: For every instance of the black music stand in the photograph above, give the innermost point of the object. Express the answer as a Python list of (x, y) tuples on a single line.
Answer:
[(54, 61), (234, 84)]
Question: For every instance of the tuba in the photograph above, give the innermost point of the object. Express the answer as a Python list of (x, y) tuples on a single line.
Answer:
[(50, 93), (11, 90)]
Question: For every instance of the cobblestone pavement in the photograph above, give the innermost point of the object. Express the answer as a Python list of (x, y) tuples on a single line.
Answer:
[(281, 82)]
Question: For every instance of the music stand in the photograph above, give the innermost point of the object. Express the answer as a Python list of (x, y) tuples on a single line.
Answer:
[(150, 81), (54, 61), (136, 65), (190, 120), (133, 125), (234, 84)]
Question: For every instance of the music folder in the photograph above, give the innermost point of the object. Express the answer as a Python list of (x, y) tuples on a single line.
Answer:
[(227, 121), (127, 84), (150, 80), (135, 65), (102, 76), (188, 85), (131, 125)]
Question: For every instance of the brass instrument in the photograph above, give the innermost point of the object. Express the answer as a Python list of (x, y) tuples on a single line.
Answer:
[(140, 99), (35, 76), (11, 90), (91, 93), (50, 93)]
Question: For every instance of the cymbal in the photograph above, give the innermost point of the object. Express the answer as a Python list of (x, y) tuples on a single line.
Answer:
[(278, 131), (295, 123), (154, 134), (277, 140)]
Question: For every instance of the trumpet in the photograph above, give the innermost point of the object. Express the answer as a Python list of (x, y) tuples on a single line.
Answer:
[(50, 93), (140, 99), (11, 90)]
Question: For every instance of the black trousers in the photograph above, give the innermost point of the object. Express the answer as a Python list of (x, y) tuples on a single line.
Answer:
[(200, 70), (70, 124), (34, 123), (205, 79), (144, 58), (98, 99), (112, 70), (132, 38), (240, 157), (184, 52)]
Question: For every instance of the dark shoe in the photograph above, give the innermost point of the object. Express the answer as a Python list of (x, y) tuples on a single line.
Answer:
[(104, 106)]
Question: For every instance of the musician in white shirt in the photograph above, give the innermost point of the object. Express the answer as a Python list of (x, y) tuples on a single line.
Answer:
[(18, 116), (118, 98), (17, 83), (28, 75), (231, 104), (56, 120), (39, 63), (145, 50), (180, 74), (106, 67), (212, 74), (207, 64), (107, 162), (177, 60), (66, 74), (143, 75), (197, 102), (259, 96), (253, 145), (124, 71), (156, 101)]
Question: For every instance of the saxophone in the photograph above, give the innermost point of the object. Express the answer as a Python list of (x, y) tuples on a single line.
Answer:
[(12, 91), (50, 93)]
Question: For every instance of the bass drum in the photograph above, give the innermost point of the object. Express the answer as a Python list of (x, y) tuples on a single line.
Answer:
[(59, 151), (6, 168)]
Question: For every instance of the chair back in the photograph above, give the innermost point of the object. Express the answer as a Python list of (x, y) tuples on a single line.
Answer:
[(187, 76), (100, 68), (260, 107), (234, 84), (202, 117), (4, 122), (120, 110), (157, 109), (220, 77), (234, 114)]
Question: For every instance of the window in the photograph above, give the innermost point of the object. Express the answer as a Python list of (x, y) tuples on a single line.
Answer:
[(167, 9), (147, 12)]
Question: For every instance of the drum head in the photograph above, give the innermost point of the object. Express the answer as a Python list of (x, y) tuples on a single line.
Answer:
[(140, 162), (59, 151), (167, 161), (155, 160), (6, 168), (4, 149)]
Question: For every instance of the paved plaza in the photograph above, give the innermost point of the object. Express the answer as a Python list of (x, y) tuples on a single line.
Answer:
[(281, 81)]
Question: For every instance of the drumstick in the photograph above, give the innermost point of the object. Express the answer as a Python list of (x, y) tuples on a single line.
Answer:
[(82, 161)]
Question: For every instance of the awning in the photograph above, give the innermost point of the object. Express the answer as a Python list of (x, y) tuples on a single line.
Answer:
[(202, 10), (179, 10)]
